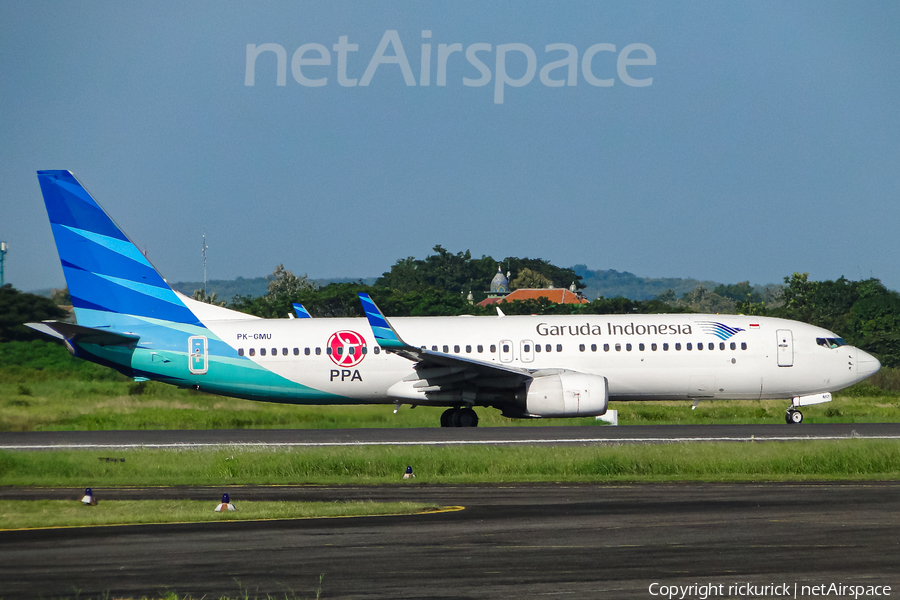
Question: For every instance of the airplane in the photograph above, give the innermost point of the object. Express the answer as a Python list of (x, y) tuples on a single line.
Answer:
[(533, 366)]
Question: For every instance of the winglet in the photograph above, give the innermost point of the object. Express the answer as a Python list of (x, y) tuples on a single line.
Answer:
[(384, 334), (301, 311)]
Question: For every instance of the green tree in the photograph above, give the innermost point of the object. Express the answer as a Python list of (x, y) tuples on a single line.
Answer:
[(17, 308), (208, 298), (528, 279), (284, 282)]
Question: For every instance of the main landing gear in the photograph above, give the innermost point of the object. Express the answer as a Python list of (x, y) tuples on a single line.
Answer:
[(792, 416), (459, 417)]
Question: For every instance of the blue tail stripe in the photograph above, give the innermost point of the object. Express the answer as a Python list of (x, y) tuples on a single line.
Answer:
[(67, 206), (122, 247), (120, 299), (88, 256)]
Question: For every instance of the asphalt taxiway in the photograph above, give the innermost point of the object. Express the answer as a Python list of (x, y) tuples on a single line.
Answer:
[(517, 541), (559, 435)]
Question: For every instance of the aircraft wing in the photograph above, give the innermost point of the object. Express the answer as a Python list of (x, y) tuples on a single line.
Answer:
[(437, 372)]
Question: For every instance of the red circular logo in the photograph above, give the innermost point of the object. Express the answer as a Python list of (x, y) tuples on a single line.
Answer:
[(346, 348)]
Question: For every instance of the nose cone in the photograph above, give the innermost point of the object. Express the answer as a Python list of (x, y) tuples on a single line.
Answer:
[(866, 364)]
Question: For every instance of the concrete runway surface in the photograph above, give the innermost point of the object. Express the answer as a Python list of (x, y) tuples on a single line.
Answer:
[(511, 541)]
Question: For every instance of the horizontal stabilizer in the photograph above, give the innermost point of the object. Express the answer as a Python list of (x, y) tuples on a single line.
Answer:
[(84, 335)]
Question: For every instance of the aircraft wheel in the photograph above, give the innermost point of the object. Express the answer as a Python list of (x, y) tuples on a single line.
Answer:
[(796, 417), (787, 417), (465, 417), (447, 417)]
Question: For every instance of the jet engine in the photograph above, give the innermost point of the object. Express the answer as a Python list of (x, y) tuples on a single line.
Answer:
[(566, 394)]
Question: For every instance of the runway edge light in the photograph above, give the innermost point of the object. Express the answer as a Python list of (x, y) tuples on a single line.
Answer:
[(225, 504), (88, 498), (409, 474)]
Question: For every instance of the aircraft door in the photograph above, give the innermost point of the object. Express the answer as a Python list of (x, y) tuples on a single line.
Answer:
[(527, 351), (785, 348), (506, 351), (198, 348)]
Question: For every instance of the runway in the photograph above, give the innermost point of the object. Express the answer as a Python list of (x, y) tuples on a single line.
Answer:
[(557, 435), (517, 541)]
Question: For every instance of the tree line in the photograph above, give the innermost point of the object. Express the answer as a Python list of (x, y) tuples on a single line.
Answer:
[(865, 313)]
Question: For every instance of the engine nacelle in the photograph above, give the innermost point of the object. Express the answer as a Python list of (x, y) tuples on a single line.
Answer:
[(567, 394)]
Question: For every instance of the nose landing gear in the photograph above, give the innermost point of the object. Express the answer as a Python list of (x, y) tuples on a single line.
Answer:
[(459, 417)]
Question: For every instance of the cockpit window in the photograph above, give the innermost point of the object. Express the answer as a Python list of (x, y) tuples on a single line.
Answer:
[(831, 342)]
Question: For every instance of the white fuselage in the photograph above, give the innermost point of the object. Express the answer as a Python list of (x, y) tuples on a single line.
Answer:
[(644, 357)]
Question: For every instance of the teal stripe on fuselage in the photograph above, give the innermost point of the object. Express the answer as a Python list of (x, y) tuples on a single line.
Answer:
[(230, 376)]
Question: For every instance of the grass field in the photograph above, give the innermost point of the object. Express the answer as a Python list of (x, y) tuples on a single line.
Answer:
[(768, 461), (27, 514)]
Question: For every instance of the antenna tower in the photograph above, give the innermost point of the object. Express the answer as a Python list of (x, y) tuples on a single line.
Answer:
[(205, 248)]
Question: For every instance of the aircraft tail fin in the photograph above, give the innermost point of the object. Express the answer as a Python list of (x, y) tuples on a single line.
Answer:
[(106, 273)]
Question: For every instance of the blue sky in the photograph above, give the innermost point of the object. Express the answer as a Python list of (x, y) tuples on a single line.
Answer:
[(767, 142)]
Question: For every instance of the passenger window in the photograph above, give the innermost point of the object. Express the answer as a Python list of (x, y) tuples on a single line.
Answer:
[(328, 350), (351, 350), (548, 348), (296, 351), (284, 351), (493, 348), (364, 350), (666, 347), (274, 351), (306, 351), (743, 345), (559, 347), (641, 347), (618, 347), (733, 346), (377, 349), (262, 351), (593, 347), (252, 351), (581, 347), (537, 347), (606, 347), (318, 351), (687, 346), (240, 351), (506, 347), (653, 347), (711, 346), (434, 348), (721, 345), (446, 349), (468, 349), (340, 351), (700, 346), (628, 347), (526, 348), (479, 348)]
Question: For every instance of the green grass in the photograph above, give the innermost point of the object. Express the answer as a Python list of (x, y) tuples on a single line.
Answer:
[(761, 461), (27, 514)]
